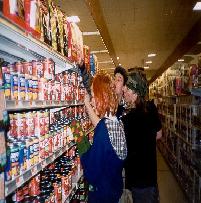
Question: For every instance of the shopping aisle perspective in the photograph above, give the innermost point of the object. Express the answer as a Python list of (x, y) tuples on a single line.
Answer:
[(169, 189)]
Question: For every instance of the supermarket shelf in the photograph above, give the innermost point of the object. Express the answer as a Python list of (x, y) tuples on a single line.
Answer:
[(75, 181), (177, 134), (183, 139), (17, 43), (12, 185), (196, 91), (14, 105), (168, 149)]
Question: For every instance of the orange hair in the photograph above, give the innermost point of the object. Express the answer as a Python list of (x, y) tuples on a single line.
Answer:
[(104, 95)]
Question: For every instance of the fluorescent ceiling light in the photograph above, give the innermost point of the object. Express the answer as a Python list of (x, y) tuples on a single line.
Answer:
[(99, 52), (151, 55), (117, 58), (197, 6), (146, 67), (107, 68), (148, 62), (180, 60), (73, 19), (105, 62), (90, 33)]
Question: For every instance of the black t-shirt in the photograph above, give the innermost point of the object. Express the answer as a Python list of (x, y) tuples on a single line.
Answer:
[(141, 128), (120, 111)]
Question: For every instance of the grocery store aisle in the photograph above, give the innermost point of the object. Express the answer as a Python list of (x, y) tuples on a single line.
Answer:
[(169, 190)]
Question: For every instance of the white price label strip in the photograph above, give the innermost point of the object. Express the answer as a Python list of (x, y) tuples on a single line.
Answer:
[(19, 181), (34, 170)]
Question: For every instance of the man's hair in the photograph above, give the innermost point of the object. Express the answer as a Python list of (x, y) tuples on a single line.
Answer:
[(121, 71)]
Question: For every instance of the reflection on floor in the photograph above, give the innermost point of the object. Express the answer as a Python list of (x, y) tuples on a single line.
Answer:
[(170, 192)]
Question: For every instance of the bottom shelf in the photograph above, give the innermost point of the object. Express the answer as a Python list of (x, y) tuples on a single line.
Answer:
[(75, 182), (173, 167)]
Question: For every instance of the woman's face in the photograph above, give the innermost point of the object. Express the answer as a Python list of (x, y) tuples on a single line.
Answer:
[(129, 96)]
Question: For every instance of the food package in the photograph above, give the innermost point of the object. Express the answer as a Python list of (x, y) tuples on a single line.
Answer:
[(32, 16), (15, 11)]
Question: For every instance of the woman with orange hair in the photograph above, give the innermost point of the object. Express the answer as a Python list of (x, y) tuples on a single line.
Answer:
[(103, 162)]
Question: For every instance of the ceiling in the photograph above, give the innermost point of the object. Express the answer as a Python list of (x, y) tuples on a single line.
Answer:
[(132, 29)]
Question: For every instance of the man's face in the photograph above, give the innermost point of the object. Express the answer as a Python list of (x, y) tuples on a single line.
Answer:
[(119, 83)]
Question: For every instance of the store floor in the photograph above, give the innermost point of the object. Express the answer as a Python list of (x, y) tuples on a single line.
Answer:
[(169, 190)]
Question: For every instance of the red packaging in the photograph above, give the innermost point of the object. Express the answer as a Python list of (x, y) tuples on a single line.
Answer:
[(65, 187), (39, 123), (13, 125), (15, 11), (69, 41), (38, 68), (86, 52), (50, 144), (19, 68), (42, 90), (34, 88), (34, 188), (46, 121), (27, 66), (30, 123), (32, 16), (18, 195), (41, 148), (57, 192), (48, 67), (22, 125), (50, 90), (25, 190)]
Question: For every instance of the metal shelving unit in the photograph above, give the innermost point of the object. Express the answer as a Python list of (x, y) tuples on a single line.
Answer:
[(22, 46), (12, 105), (12, 185), (178, 147), (17, 45)]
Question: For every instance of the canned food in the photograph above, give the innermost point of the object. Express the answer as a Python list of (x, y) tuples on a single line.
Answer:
[(34, 88), (19, 68), (22, 157), (14, 159), (48, 67), (21, 87), (30, 140), (7, 82), (42, 90), (36, 149), (28, 68), (14, 86)]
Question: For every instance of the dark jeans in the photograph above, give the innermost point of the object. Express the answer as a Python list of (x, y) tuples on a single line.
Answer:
[(145, 195)]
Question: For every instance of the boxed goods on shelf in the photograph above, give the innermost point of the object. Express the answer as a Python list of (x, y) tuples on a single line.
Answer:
[(15, 10)]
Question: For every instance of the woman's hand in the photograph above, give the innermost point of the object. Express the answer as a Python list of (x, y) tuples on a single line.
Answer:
[(87, 99)]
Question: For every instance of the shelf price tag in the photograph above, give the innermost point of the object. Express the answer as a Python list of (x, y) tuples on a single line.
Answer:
[(43, 164), (34, 170), (19, 181)]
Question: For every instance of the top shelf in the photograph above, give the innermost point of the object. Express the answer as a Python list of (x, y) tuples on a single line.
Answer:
[(15, 44)]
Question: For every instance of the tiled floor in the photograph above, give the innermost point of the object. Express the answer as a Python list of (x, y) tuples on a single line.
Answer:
[(169, 190)]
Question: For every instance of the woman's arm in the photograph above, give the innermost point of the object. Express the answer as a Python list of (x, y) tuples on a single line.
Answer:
[(159, 134), (92, 115)]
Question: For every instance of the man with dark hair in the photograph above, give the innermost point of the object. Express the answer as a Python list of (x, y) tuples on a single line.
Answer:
[(120, 70), (120, 79)]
